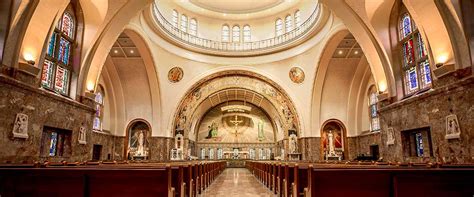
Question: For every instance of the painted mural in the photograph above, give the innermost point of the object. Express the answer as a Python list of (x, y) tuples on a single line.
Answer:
[(269, 90), (222, 124)]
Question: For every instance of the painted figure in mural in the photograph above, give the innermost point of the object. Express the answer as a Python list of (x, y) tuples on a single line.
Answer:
[(261, 135), (213, 130)]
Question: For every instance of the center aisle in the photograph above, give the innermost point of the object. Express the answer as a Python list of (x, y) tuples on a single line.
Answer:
[(236, 182)]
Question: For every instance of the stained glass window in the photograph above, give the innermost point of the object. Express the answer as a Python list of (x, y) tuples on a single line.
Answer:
[(414, 55), (67, 25), (247, 33), (419, 145), (53, 142), (288, 23), (62, 79), (47, 74), (236, 34), (64, 51), (56, 73), (405, 26), (174, 19), (297, 18), (193, 27), (279, 27), (184, 23), (373, 107), (225, 33), (52, 44), (99, 107)]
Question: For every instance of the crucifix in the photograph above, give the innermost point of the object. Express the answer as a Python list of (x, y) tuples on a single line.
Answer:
[(236, 122)]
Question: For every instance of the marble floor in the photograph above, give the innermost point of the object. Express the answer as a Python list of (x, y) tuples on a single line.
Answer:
[(236, 182)]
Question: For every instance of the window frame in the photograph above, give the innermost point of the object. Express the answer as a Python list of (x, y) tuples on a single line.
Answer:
[(223, 35), (415, 66), (279, 27), (238, 32), (247, 34), (54, 58)]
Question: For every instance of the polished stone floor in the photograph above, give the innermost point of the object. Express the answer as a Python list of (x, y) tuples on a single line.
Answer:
[(236, 182)]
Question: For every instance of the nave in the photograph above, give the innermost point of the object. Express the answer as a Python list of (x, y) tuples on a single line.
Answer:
[(236, 182)]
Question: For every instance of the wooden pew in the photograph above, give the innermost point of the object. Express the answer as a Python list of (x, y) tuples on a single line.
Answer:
[(72, 181)]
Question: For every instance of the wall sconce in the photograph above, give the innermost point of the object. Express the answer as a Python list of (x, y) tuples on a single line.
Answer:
[(90, 87), (442, 59), (30, 59), (382, 87)]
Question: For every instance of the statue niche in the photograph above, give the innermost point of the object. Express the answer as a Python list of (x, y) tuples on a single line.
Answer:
[(332, 141), (138, 148)]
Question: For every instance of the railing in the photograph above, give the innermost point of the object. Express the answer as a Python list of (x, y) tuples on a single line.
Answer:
[(214, 45)]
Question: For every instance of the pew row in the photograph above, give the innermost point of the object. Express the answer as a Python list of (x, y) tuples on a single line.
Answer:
[(113, 179), (363, 179)]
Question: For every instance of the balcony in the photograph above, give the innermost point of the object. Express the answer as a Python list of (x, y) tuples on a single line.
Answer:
[(213, 47)]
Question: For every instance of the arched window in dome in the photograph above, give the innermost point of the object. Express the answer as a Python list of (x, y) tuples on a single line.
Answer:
[(174, 18), (247, 33), (297, 18), (193, 27), (373, 107), (225, 33), (99, 109), (278, 27), (236, 33), (415, 63), (184, 23), (288, 23), (57, 67)]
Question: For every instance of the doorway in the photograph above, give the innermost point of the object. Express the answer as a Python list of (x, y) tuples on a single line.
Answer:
[(96, 152)]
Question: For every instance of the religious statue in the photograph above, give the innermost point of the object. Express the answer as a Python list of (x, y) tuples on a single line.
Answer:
[(179, 141), (20, 128), (390, 136), (82, 135), (332, 151), (141, 144), (261, 135), (452, 127), (293, 144)]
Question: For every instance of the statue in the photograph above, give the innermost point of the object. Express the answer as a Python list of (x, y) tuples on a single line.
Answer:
[(452, 127), (332, 152), (390, 136), (20, 128), (293, 144), (141, 144), (82, 135)]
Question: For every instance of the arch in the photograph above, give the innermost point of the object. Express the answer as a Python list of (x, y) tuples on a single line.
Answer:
[(200, 91), (378, 59), (130, 125), (341, 125), (288, 23)]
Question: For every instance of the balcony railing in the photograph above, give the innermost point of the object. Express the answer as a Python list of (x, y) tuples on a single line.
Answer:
[(218, 46)]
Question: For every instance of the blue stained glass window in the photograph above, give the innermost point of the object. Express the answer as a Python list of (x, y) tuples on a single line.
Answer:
[(419, 144), (96, 125), (64, 51), (412, 79), (373, 111), (425, 73), (53, 142), (405, 26), (52, 44)]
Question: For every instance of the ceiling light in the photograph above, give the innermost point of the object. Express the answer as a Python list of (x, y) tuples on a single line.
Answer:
[(115, 51), (340, 52), (356, 52), (131, 51)]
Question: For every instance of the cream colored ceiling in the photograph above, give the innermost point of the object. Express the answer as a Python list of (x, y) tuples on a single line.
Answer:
[(348, 48), (124, 48), (237, 9)]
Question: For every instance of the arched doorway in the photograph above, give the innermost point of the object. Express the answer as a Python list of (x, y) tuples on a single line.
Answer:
[(333, 140), (137, 143)]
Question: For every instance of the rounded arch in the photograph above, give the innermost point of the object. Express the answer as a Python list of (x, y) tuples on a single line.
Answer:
[(93, 62), (343, 130), (237, 78), (127, 140)]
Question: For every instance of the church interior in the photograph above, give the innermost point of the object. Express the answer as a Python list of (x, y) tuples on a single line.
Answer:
[(237, 98)]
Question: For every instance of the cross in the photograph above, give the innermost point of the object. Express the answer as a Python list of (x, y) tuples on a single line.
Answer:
[(235, 122)]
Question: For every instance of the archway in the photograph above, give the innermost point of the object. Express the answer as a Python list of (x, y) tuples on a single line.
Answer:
[(333, 140), (137, 140)]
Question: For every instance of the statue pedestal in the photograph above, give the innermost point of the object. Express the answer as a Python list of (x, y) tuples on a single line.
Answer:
[(294, 156), (333, 158)]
